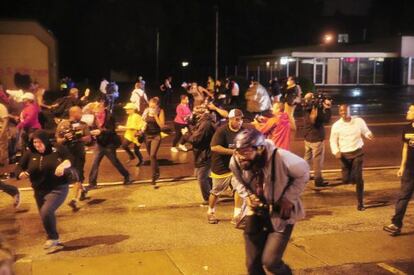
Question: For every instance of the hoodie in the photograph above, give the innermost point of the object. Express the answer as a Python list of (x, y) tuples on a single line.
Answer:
[(41, 166)]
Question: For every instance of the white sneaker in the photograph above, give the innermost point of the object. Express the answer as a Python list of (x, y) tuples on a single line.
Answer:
[(174, 150), (49, 244), (182, 147)]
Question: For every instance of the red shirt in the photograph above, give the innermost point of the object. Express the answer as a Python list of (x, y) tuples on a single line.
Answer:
[(277, 128)]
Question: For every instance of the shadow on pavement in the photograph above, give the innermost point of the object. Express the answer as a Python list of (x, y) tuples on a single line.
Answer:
[(96, 201), (86, 242), (314, 212), (377, 203)]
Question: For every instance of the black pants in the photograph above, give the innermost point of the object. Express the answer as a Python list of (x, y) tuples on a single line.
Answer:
[(352, 172), (178, 139), (79, 157), (110, 153), (8, 189), (407, 189), (264, 251), (48, 201), (153, 142), (125, 146)]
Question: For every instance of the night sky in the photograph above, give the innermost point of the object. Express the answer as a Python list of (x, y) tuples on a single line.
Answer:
[(97, 36)]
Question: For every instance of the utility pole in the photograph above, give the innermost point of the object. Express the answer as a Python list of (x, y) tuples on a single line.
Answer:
[(216, 72), (157, 57)]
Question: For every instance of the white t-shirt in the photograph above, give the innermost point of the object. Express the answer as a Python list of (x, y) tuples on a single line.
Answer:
[(102, 86), (136, 96), (235, 91), (16, 95), (347, 136)]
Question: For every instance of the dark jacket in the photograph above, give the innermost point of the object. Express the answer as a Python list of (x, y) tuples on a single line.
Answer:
[(315, 132), (41, 166), (200, 138), (108, 136)]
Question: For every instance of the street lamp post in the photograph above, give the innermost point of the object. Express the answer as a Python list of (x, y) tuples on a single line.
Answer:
[(217, 43)]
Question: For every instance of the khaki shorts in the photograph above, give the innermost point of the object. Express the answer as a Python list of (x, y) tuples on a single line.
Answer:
[(220, 185)]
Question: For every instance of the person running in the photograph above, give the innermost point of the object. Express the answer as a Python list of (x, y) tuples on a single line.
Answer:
[(4, 135), (166, 92), (199, 93), (271, 181), (180, 122), (139, 97), (278, 128), (200, 137), (133, 133), (406, 172), (107, 141), (222, 148), (74, 134), (29, 119), (346, 144), (210, 84), (45, 166), (154, 118)]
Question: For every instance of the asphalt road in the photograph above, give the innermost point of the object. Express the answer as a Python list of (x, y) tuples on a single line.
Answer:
[(384, 151), (139, 219)]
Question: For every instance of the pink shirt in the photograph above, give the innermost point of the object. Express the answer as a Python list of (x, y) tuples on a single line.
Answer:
[(183, 112), (29, 117), (277, 128)]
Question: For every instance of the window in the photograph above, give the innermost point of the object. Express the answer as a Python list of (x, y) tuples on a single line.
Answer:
[(366, 70), (349, 70)]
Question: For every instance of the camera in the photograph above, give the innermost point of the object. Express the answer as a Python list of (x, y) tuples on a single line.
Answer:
[(75, 131), (316, 101)]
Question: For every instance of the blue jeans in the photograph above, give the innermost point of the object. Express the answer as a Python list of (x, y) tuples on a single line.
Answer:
[(407, 188), (204, 180), (110, 153), (48, 201), (8, 189), (264, 251)]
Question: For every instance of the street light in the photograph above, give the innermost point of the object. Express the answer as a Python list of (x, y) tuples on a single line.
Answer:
[(328, 38), (185, 64)]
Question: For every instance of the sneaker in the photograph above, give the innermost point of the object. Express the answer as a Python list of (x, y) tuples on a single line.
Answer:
[(204, 204), (92, 186), (393, 229), (16, 202), (129, 160), (361, 208), (235, 220), (174, 150), (211, 218), (74, 206), (51, 243), (182, 147), (128, 181), (83, 195), (52, 246), (319, 182)]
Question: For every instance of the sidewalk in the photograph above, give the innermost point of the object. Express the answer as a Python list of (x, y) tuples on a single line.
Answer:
[(332, 236), (304, 253)]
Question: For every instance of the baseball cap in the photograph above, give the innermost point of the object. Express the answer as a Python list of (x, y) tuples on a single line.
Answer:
[(235, 113), (129, 106)]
